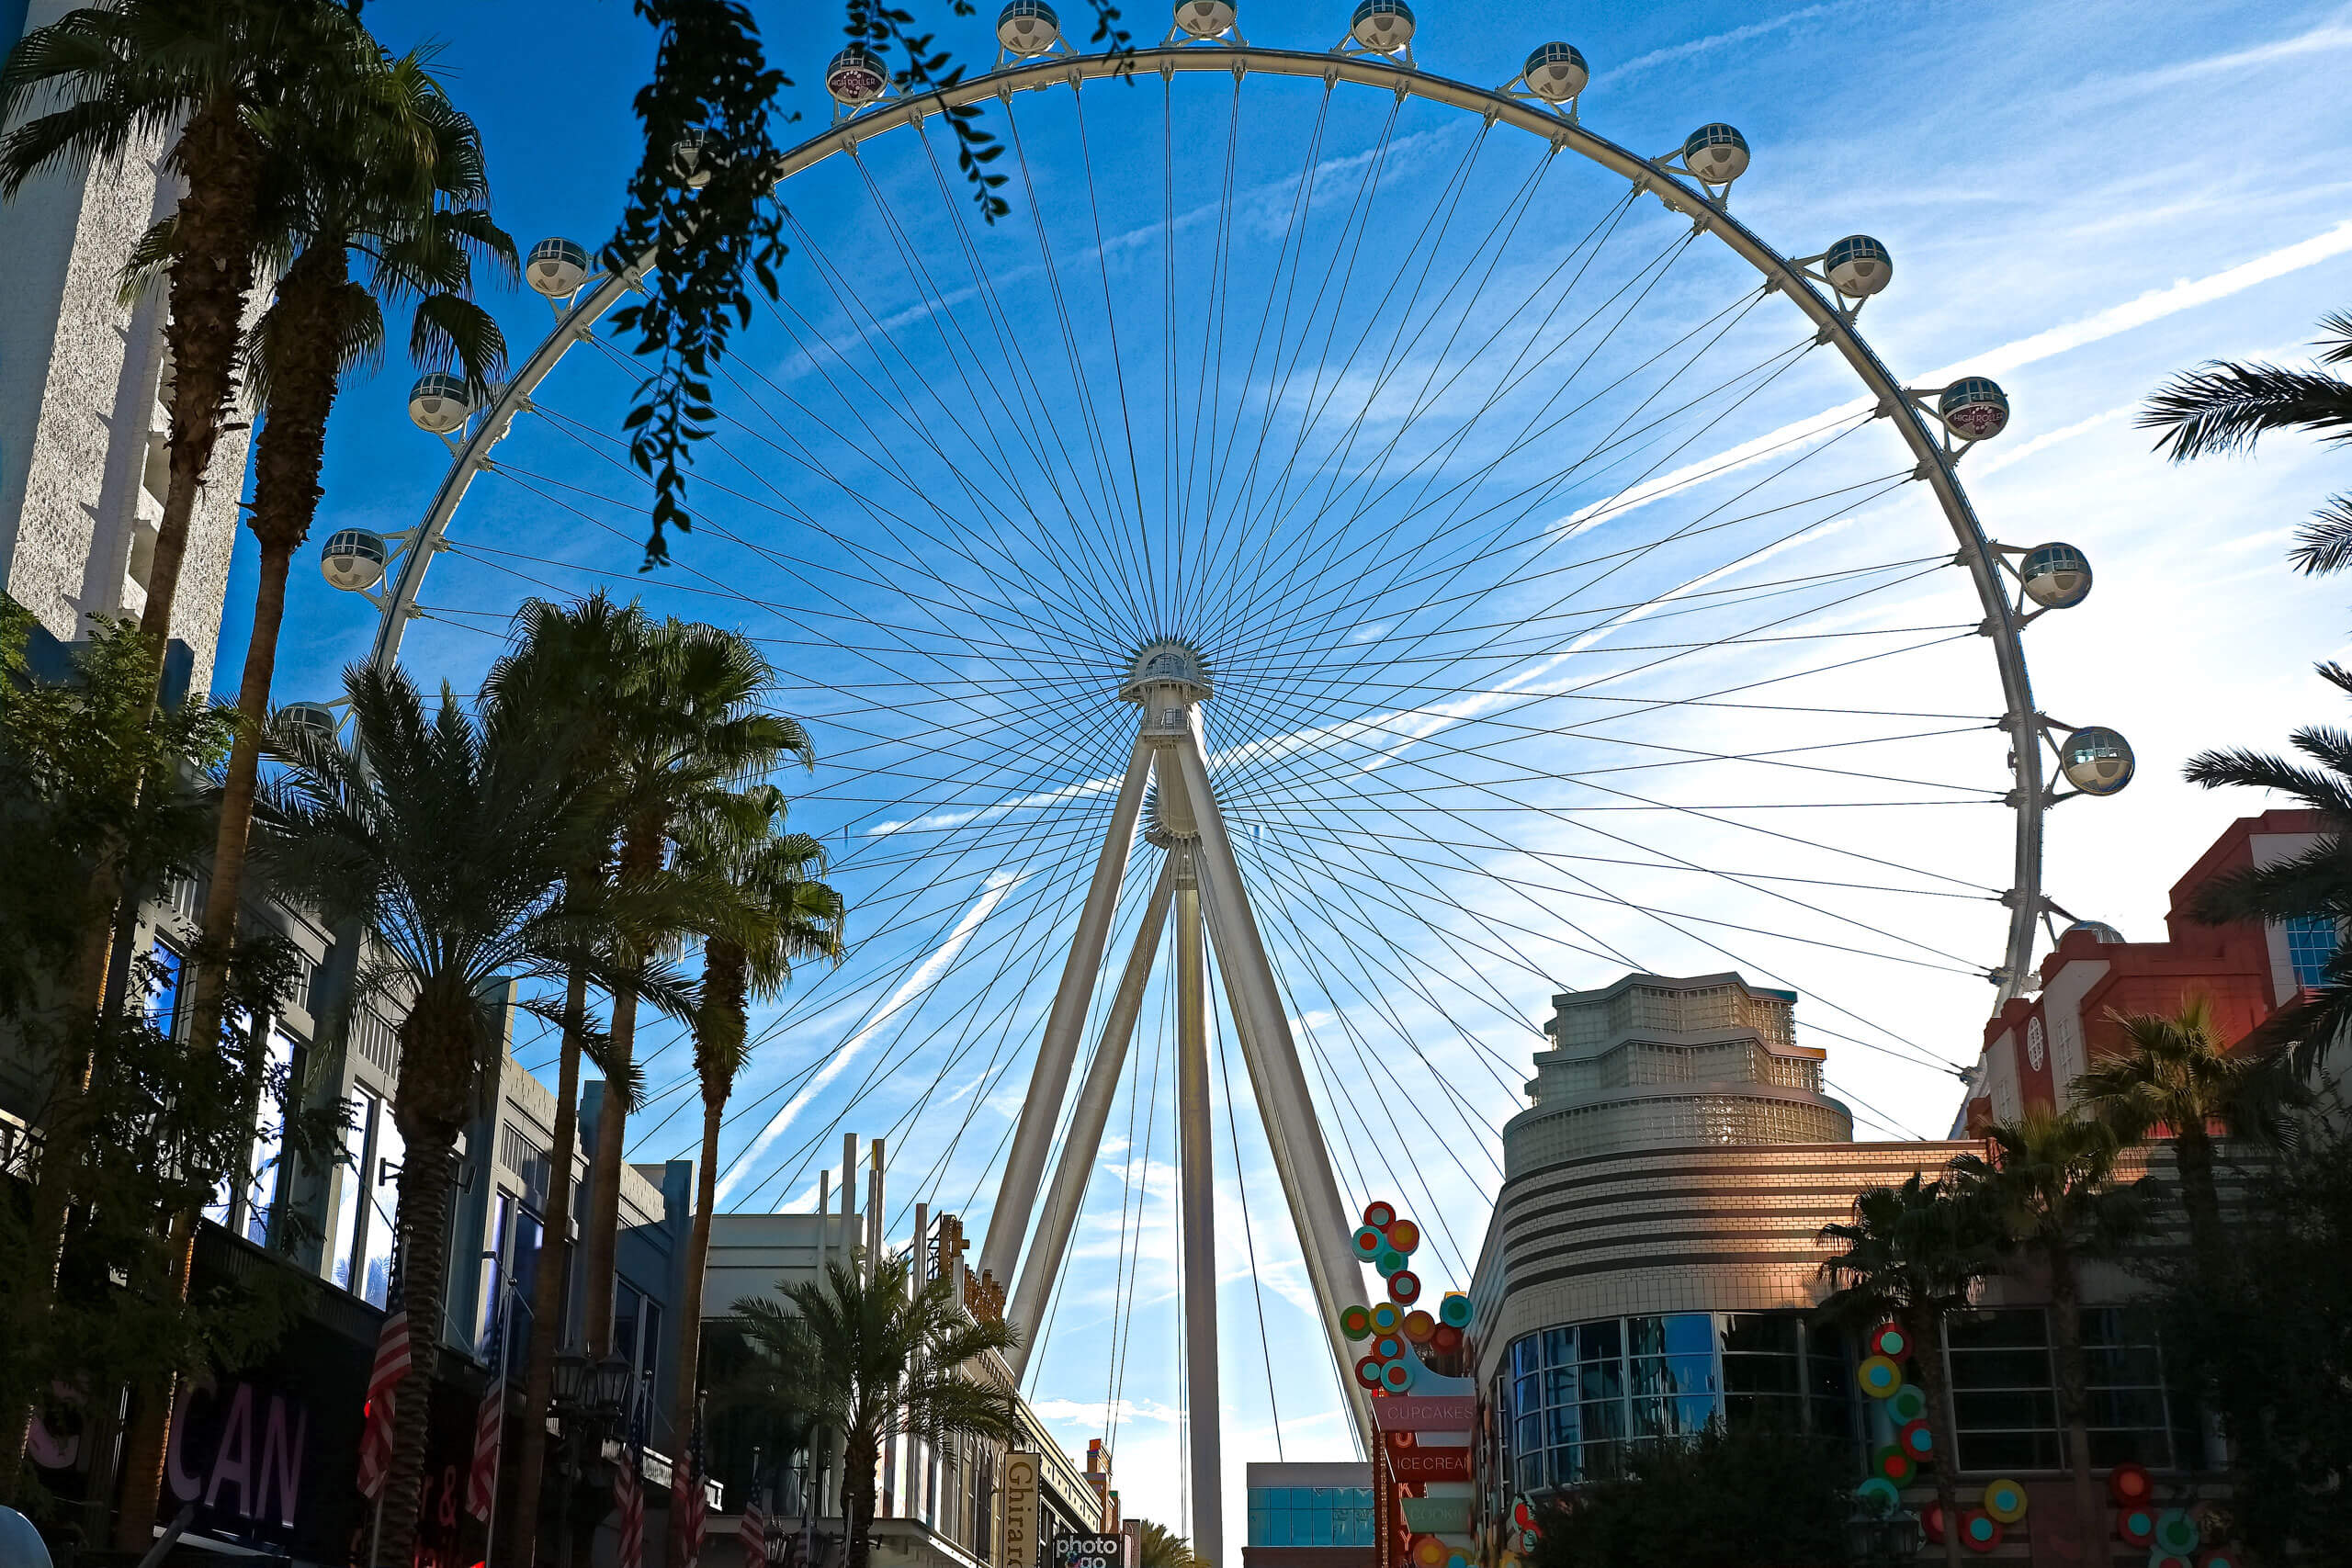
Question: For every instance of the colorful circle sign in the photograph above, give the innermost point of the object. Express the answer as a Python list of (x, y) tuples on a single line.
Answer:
[(2006, 1501), (1368, 1371), (1979, 1531), (1908, 1403), (1420, 1326), (1370, 1243), (2137, 1526), (2128, 1485), (1879, 1377), (1878, 1489), (1404, 1234), (1894, 1464), (2177, 1532), (1931, 1523), (1355, 1322), (1429, 1551), (1915, 1440), (1404, 1285), (1889, 1340), (2219, 1557), (1386, 1317), (1380, 1216)]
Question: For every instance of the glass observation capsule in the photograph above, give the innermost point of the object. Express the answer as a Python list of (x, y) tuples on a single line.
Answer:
[(1204, 18), (438, 404), (354, 559), (857, 76), (306, 718), (1556, 72), (1716, 153), (1381, 25), (690, 160), (557, 268), (1975, 408), (2098, 930), (2056, 577), (1028, 27), (2096, 761), (1857, 266)]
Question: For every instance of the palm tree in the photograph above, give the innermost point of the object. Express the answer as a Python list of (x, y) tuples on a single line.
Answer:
[(1915, 1253), (2049, 1186), (871, 1359), (397, 177), (1159, 1546), (570, 663), (451, 847), (2313, 885), (2177, 1075), (2225, 407), (687, 730), (785, 914)]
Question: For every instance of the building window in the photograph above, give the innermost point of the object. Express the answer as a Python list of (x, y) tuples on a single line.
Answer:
[(1310, 1516), (2312, 940), (165, 1005), (379, 1191), (342, 1255), (2005, 1398), (1582, 1394)]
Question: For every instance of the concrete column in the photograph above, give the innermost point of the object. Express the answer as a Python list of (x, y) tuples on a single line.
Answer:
[(1197, 1185)]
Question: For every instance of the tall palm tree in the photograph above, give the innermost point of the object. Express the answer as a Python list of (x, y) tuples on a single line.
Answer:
[(2177, 1076), (2048, 1185), (871, 1359), (786, 915), (568, 663), (451, 846), (1915, 1253), (2223, 406), (396, 179), (687, 730), (2315, 885)]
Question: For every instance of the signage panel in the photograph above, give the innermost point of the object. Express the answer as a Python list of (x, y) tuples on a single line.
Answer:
[(1430, 1464), (1090, 1550), (1020, 1510), (1445, 1413)]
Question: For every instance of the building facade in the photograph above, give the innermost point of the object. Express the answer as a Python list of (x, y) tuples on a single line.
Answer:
[(1309, 1515), (82, 446)]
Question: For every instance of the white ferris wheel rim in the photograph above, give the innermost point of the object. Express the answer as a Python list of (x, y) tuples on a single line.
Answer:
[(2030, 795)]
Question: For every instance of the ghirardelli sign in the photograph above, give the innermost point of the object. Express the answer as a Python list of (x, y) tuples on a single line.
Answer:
[(1020, 1510)]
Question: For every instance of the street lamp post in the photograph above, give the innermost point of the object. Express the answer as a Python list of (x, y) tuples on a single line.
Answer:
[(587, 1408)]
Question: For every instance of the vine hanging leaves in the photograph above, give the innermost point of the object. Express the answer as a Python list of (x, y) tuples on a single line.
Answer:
[(702, 200)]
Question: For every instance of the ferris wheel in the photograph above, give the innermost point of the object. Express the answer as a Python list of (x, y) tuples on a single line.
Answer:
[(1353, 543)]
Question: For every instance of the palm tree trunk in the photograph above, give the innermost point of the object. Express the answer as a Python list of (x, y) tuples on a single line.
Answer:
[(427, 1182), (2073, 1397), (1926, 1331), (681, 1410), (2192, 1152), (286, 462), (604, 1184), (861, 1457), (145, 1442), (547, 1290)]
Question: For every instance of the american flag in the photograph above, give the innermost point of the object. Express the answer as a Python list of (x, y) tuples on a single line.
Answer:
[(629, 1492), (753, 1532), (391, 1366), (490, 1427), (687, 1506)]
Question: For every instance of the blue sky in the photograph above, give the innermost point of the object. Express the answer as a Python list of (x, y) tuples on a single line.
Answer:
[(2076, 202)]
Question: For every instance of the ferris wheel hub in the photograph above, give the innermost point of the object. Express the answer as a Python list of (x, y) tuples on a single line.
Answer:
[(1167, 672)]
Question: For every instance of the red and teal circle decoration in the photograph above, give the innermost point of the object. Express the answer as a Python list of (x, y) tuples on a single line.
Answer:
[(1355, 1322), (1388, 1347), (1379, 1215), (2219, 1557), (1368, 1371), (1878, 1376), (2128, 1485), (1892, 1464), (1880, 1490), (1395, 1377), (1404, 1286), (1931, 1523), (1370, 1243), (1390, 1262), (1915, 1440), (1908, 1403), (2177, 1532), (1889, 1340), (2005, 1500), (1979, 1531), (1522, 1515), (2136, 1525), (1454, 1310)]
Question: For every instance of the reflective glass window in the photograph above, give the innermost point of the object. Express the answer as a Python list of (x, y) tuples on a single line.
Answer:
[(351, 1208), (382, 1189)]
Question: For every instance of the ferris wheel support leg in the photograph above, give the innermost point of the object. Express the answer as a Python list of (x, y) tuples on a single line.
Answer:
[(1043, 1264), (1033, 1135), (1300, 1157), (1197, 1182)]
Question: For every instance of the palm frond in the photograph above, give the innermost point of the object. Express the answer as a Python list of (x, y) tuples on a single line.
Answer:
[(2223, 407), (2324, 545)]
